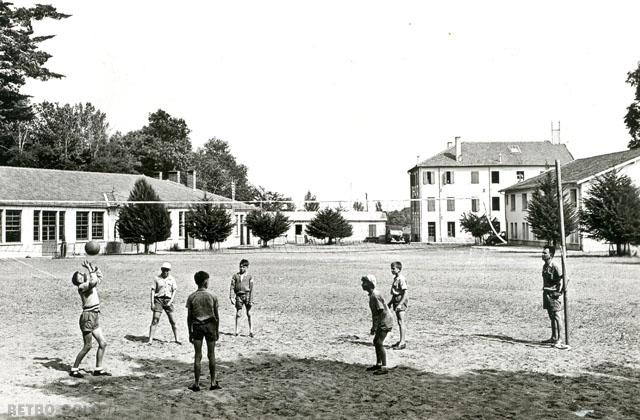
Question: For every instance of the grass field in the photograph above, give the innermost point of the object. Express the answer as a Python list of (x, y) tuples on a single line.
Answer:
[(475, 320)]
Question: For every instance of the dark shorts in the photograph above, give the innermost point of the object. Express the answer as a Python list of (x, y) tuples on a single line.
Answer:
[(205, 329), (551, 303), (243, 300), (381, 335), (160, 304), (396, 301), (89, 321)]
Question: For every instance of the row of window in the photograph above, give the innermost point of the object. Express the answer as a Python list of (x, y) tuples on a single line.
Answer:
[(429, 177), (50, 225), (451, 204), (512, 233)]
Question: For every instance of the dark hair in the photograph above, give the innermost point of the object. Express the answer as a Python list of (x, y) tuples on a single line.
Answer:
[(200, 277), (397, 264), (244, 262), (551, 248), (74, 278)]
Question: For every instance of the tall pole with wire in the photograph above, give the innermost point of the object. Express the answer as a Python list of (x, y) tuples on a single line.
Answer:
[(563, 251)]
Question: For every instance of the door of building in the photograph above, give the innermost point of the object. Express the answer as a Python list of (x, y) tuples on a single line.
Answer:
[(431, 231)]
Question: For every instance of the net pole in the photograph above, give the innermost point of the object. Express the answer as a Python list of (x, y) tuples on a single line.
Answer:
[(563, 252)]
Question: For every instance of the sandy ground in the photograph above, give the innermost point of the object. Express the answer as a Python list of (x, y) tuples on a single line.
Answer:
[(475, 322)]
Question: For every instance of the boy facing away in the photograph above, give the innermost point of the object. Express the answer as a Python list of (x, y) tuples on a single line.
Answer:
[(399, 302), (203, 323), (241, 293), (382, 323), (87, 285), (551, 293), (163, 292)]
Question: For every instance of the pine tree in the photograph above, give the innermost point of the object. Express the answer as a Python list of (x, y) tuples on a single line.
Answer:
[(208, 223), (542, 213), (310, 203), (329, 223), (267, 226), (632, 117), (358, 206), (144, 223), (612, 211)]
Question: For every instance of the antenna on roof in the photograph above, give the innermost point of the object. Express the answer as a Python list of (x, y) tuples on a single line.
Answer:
[(555, 133)]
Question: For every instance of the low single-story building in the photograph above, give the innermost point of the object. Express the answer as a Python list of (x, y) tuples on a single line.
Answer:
[(41, 208), (577, 177), (365, 224)]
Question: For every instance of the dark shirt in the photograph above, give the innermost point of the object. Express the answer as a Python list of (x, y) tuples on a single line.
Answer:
[(202, 305), (382, 319)]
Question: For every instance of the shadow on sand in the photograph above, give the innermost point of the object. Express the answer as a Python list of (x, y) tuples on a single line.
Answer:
[(273, 386), (507, 339)]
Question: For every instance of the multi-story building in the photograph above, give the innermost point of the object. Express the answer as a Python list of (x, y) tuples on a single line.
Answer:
[(577, 177), (468, 177)]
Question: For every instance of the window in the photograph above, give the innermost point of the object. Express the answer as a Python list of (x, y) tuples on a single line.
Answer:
[(82, 225), (431, 204), (525, 202), (475, 177), (61, 235), (515, 231), (495, 203), (49, 225), (97, 225), (475, 205), (520, 175), (513, 202), (36, 226), (451, 204), (372, 231), (525, 231), (13, 226), (427, 177), (181, 225), (495, 177), (448, 177), (451, 229), (1, 225), (573, 196), (298, 229)]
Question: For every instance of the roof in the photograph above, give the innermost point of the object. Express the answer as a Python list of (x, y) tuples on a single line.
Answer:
[(531, 153), (580, 170), (350, 216), (54, 187)]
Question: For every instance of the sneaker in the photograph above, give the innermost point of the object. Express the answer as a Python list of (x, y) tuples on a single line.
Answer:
[(251, 334), (549, 341), (195, 388), (76, 374), (101, 373), (400, 347), (374, 367), (215, 386), (381, 371), (395, 345)]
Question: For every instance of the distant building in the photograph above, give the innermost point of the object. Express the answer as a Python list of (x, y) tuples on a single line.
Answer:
[(468, 177), (577, 177), (40, 208), (365, 224)]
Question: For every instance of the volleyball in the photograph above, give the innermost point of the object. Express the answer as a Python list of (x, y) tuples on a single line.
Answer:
[(92, 248)]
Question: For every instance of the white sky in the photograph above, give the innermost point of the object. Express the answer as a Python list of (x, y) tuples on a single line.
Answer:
[(340, 97)]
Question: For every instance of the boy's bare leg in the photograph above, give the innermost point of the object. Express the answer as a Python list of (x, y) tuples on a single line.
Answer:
[(238, 316), (102, 346), (211, 354), (249, 320), (401, 326), (555, 324), (86, 337), (197, 346), (381, 354), (154, 323), (173, 326)]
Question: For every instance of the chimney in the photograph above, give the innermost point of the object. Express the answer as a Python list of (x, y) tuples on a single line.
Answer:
[(174, 176), (500, 157), (191, 179), (449, 144), (157, 175), (458, 149)]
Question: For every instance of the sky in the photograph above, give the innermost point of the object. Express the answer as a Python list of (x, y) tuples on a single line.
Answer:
[(343, 97)]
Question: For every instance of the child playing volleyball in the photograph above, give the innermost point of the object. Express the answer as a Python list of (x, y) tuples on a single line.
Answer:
[(87, 284), (399, 302), (203, 322), (382, 323), (241, 293)]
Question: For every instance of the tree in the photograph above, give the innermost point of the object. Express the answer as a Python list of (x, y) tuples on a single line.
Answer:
[(379, 206), (477, 226), (612, 211), (358, 206), (144, 223), (273, 201), (115, 156), (310, 203), (21, 58), (399, 217), (632, 117), (208, 223), (329, 223), (217, 169), (162, 145), (266, 225), (542, 213)]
